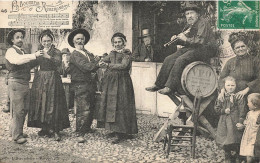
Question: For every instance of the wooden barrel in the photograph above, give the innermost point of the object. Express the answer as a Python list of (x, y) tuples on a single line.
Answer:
[(199, 76)]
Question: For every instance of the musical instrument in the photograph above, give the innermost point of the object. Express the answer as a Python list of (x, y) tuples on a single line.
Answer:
[(176, 38)]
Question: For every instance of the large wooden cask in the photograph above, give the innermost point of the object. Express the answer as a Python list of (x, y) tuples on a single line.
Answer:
[(199, 76)]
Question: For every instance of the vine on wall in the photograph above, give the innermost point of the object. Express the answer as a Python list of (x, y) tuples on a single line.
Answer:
[(85, 14)]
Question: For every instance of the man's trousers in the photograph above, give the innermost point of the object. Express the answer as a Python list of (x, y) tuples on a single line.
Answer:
[(84, 106), (19, 105), (173, 66)]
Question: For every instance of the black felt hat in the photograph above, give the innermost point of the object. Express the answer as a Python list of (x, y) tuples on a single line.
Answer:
[(10, 35), (75, 32), (191, 6), (65, 51)]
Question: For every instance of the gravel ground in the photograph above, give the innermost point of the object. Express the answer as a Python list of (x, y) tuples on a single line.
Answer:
[(98, 148)]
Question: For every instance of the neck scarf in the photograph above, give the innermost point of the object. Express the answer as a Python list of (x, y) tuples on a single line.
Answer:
[(231, 96), (120, 51)]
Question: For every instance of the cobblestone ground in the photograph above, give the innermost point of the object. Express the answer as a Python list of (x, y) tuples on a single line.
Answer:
[(98, 148)]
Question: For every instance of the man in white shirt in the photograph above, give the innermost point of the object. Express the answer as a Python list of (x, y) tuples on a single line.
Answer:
[(19, 66)]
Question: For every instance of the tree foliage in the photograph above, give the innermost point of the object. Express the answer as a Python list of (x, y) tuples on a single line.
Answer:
[(85, 15)]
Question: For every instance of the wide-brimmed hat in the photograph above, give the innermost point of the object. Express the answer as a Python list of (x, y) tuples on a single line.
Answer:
[(10, 35), (65, 51), (145, 33), (75, 32), (48, 33), (191, 6)]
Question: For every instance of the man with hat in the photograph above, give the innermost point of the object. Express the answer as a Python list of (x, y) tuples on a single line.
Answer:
[(64, 72), (144, 52), (65, 61), (82, 66), (19, 65), (199, 45)]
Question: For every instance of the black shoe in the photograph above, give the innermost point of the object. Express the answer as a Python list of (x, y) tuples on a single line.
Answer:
[(152, 88), (43, 132), (117, 140), (128, 136), (51, 133), (57, 136), (111, 135), (90, 130)]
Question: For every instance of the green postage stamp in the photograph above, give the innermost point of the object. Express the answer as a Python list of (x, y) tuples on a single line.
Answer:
[(238, 14)]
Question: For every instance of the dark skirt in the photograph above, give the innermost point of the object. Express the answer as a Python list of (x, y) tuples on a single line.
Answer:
[(117, 112), (48, 102)]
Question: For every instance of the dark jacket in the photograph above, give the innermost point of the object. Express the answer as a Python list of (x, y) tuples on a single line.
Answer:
[(201, 34), (227, 132), (141, 52), (246, 71), (81, 67)]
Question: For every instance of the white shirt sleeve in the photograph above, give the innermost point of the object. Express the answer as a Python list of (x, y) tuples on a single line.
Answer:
[(14, 58)]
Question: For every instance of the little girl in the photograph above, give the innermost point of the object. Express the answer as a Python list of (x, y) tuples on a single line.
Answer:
[(232, 112), (250, 144)]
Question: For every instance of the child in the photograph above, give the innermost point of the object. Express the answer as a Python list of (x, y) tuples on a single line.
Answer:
[(232, 112), (250, 145)]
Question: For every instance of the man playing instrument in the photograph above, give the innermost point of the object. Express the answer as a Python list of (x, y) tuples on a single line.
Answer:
[(198, 44)]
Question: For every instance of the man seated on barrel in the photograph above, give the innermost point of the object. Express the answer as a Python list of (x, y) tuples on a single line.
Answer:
[(199, 45)]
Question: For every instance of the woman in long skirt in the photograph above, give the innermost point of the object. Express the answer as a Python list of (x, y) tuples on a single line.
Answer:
[(117, 112), (48, 109)]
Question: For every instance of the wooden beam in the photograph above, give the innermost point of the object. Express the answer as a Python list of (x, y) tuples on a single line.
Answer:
[(208, 126), (206, 102), (174, 99), (201, 119)]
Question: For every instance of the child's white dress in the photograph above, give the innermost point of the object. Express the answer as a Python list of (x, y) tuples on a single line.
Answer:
[(249, 136)]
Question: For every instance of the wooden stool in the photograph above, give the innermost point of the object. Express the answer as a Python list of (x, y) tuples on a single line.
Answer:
[(175, 140)]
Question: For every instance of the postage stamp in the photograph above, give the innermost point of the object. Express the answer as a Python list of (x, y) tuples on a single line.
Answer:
[(238, 14)]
